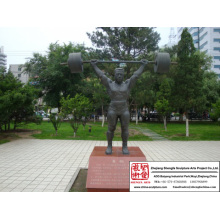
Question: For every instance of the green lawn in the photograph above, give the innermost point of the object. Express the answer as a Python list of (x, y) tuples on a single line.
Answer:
[(199, 131), (66, 132), (3, 141)]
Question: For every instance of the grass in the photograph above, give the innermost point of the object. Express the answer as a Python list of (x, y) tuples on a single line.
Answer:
[(7, 136), (66, 132), (4, 141), (198, 131)]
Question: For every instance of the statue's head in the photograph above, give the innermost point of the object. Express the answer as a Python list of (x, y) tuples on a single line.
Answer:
[(119, 75)]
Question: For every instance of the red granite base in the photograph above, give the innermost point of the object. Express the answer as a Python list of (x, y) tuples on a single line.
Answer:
[(110, 173)]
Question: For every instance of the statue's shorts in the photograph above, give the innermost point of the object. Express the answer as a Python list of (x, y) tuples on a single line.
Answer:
[(118, 109)]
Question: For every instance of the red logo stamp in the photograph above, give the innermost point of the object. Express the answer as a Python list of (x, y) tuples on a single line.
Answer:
[(139, 171)]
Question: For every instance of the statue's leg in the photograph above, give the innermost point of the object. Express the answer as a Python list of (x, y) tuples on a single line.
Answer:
[(112, 121), (125, 118)]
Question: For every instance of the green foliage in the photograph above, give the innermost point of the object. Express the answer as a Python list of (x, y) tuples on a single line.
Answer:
[(171, 50), (2, 70), (130, 42), (37, 119), (54, 79), (215, 114), (95, 91), (162, 104), (188, 87), (56, 120), (76, 109), (211, 88), (124, 43), (16, 101), (144, 92)]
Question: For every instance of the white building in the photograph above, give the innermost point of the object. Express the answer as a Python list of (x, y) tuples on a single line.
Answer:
[(3, 58), (17, 70), (206, 39)]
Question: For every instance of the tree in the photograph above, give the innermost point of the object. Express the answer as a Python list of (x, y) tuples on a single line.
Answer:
[(144, 92), (56, 120), (189, 77), (2, 70), (95, 91), (211, 89), (16, 101), (56, 80), (124, 43), (76, 109), (100, 97), (215, 114), (163, 104)]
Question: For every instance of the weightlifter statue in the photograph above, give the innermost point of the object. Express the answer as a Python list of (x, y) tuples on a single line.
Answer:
[(118, 91)]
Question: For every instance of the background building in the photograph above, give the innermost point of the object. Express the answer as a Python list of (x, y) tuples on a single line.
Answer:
[(17, 71), (3, 58), (206, 39)]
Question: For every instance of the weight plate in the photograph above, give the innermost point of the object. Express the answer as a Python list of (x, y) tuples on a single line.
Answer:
[(162, 63), (75, 63)]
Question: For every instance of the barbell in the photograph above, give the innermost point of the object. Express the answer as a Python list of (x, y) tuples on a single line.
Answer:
[(161, 64)]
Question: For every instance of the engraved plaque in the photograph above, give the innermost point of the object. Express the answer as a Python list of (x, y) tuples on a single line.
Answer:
[(111, 172)]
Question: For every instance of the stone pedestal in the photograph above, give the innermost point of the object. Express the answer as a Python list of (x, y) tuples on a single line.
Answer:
[(110, 173)]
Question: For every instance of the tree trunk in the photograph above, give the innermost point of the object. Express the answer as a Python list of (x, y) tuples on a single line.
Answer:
[(181, 117), (148, 118), (56, 132), (103, 117), (136, 115), (165, 122), (74, 134), (94, 118), (15, 125), (187, 125)]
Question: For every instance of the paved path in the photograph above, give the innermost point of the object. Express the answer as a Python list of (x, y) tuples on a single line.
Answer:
[(32, 165), (153, 135)]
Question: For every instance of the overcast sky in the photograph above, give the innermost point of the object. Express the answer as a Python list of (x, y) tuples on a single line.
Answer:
[(30, 26), (20, 42)]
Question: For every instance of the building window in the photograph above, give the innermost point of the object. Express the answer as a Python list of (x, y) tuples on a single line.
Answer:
[(203, 45), (216, 57), (217, 48), (201, 38), (192, 28), (195, 41), (217, 30), (19, 75), (195, 34), (19, 69), (180, 30), (217, 40), (217, 66), (201, 30)]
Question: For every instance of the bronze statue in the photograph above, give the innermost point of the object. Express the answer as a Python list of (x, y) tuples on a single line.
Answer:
[(118, 91)]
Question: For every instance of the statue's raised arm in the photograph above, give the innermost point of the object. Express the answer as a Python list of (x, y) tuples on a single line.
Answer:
[(99, 73), (137, 74)]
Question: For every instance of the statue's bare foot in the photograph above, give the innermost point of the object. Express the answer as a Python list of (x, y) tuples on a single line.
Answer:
[(125, 150), (108, 150)]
